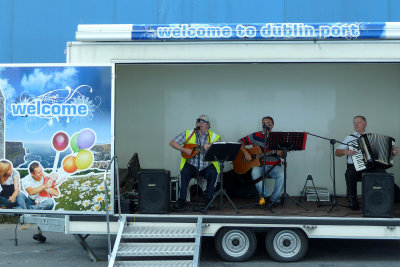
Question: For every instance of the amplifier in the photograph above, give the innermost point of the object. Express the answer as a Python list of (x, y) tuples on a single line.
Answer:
[(378, 194), (154, 191)]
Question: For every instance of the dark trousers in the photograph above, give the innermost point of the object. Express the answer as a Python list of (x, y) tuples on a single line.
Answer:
[(189, 171), (353, 176)]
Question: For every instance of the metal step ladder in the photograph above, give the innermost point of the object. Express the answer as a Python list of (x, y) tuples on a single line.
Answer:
[(157, 244)]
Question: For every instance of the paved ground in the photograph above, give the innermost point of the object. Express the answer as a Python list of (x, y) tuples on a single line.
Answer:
[(64, 250), (59, 250)]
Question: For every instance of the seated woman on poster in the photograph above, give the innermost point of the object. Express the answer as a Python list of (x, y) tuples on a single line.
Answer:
[(10, 195)]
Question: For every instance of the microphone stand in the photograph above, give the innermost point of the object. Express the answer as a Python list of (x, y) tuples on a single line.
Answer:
[(261, 202), (285, 195), (266, 143), (332, 142), (198, 142)]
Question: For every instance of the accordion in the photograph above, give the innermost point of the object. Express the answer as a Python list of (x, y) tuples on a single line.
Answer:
[(372, 150)]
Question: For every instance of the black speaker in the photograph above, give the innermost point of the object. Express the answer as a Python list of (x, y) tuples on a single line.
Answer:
[(154, 191), (378, 194)]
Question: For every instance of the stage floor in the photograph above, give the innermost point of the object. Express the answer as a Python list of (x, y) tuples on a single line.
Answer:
[(290, 208)]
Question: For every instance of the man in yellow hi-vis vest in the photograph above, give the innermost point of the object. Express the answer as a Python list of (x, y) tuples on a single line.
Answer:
[(193, 145)]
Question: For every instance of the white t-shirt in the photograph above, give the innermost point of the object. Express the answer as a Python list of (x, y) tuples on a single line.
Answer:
[(352, 137), (10, 180), (28, 181)]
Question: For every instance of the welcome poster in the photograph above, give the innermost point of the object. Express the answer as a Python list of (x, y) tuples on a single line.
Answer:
[(55, 138)]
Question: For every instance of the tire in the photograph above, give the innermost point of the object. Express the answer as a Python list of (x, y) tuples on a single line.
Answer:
[(286, 245), (235, 244)]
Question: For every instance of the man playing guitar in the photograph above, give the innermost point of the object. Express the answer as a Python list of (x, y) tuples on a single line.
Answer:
[(193, 145), (272, 163)]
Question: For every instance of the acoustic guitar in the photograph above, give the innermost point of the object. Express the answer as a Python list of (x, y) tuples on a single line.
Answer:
[(195, 150), (241, 165)]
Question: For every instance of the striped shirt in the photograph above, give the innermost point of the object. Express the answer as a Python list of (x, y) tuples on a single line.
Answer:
[(257, 139)]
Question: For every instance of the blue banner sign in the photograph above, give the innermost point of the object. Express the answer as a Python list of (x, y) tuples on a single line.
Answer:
[(255, 31)]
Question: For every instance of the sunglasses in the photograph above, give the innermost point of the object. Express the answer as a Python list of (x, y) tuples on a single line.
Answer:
[(201, 121)]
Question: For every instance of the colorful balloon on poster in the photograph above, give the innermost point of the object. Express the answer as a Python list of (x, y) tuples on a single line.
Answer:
[(69, 164), (60, 141), (73, 144), (86, 139), (84, 159)]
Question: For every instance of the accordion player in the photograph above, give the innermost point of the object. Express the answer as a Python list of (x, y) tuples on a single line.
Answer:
[(372, 151)]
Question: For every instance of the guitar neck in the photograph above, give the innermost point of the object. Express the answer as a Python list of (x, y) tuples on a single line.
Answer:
[(258, 156)]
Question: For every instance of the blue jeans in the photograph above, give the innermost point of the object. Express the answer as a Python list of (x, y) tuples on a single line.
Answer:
[(6, 203), (47, 204), (277, 174), (19, 203)]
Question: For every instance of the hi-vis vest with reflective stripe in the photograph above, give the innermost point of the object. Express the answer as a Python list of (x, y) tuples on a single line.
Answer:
[(213, 137)]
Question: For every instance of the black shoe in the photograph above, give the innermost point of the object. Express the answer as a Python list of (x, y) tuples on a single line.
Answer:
[(275, 204), (39, 237), (179, 205), (353, 204)]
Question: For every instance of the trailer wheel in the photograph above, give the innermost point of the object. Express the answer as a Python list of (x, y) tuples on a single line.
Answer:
[(235, 244), (286, 244)]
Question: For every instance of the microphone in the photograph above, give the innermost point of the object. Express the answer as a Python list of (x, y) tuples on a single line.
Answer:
[(266, 127)]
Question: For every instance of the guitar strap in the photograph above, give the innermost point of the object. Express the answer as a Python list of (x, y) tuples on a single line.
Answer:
[(190, 136)]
